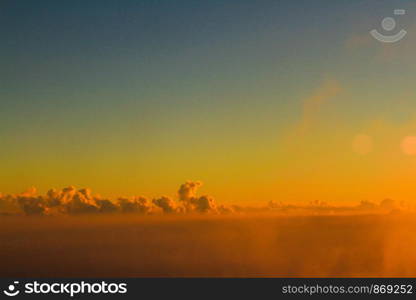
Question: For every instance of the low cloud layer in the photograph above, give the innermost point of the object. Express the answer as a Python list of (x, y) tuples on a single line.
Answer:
[(74, 201), (389, 206)]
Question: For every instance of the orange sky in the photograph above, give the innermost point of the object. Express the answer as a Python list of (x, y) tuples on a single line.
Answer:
[(138, 107)]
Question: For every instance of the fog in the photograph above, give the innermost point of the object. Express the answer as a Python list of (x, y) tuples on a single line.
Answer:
[(220, 246)]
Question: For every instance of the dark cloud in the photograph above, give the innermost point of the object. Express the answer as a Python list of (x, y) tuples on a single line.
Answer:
[(135, 205), (166, 204), (193, 203)]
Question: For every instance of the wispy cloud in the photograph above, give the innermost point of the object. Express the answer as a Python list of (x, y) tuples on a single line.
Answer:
[(312, 105)]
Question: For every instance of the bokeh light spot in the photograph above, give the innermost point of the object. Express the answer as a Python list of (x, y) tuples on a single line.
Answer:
[(408, 145)]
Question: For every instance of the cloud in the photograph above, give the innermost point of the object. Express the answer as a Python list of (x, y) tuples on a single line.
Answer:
[(74, 201), (135, 205), (193, 203), (188, 190), (321, 207), (203, 204), (31, 205), (312, 105), (311, 108), (166, 204)]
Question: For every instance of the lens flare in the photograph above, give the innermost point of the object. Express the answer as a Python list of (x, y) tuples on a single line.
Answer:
[(408, 145)]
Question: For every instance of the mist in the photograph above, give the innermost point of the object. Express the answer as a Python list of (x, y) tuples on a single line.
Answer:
[(251, 245)]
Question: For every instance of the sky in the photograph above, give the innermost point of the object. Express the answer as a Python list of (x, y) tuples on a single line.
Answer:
[(260, 100)]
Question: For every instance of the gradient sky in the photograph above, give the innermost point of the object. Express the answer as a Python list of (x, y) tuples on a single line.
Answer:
[(260, 100)]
